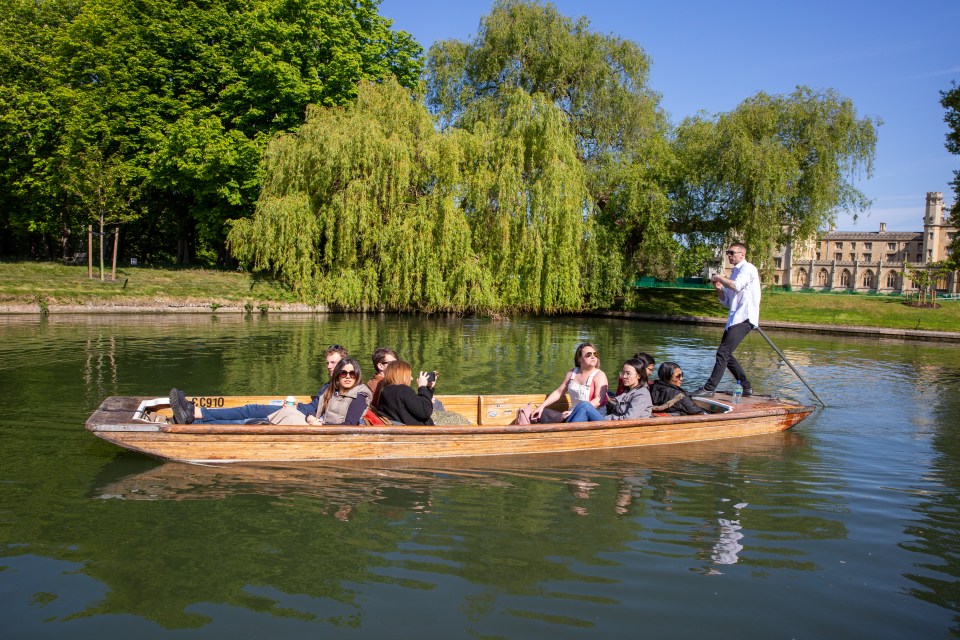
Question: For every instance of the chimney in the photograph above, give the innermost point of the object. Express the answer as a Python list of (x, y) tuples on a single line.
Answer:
[(883, 227)]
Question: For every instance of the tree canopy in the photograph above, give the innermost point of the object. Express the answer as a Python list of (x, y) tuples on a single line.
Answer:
[(184, 95), (529, 168)]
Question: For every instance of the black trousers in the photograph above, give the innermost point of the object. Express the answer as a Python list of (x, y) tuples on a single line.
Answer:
[(732, 338)]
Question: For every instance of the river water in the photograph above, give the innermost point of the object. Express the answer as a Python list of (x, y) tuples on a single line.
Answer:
[(846, 526)]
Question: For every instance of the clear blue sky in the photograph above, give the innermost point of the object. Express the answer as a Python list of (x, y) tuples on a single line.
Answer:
[(891, 58)]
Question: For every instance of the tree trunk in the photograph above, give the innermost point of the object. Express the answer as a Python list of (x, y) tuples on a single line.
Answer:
[(101, 248), (116, 244)]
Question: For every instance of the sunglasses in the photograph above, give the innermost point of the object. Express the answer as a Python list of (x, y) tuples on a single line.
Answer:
[(678, 375), (730, 253), (590, 354), (347, 374), (335, 347)]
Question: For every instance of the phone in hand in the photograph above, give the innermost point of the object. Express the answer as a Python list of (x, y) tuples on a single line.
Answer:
[(431, 377)]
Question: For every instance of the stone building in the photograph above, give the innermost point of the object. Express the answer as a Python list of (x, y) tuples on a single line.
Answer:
[(869, 261)]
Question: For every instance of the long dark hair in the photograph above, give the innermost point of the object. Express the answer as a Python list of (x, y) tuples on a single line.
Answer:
[(666, 371), (334, 385)]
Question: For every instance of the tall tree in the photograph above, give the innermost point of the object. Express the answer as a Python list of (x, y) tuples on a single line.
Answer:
[(184, 93), (950, 100), (776, 165), (599, 82), (370, 206)]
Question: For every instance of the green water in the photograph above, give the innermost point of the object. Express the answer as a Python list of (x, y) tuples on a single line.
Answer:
[(846, 526)]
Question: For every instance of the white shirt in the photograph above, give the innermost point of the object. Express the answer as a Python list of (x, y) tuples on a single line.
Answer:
[(744, 303)]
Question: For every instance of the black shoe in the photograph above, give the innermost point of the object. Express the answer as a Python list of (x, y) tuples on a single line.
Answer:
[(747, 391), (182, 410), (702, 393)]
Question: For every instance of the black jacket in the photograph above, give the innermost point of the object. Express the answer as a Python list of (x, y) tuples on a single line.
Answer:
[(661, 393), (399, 403)]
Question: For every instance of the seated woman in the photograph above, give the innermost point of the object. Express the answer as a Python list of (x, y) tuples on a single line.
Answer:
[(399, 403), (668, 396), (634, 402), (346, 398), (185, 412), (584, 383)]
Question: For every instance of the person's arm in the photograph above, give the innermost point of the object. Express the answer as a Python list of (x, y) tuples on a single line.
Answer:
[(600, 386), (356, 410), (553, 397)]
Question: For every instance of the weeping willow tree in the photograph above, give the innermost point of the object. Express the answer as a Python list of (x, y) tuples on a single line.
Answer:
[(370, 206), (775, 167), (598, 83)]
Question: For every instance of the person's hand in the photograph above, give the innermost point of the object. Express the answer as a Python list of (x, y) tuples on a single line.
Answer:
[(312, 420), (565, 414), (717, 284), (422, 380), (535, 416)]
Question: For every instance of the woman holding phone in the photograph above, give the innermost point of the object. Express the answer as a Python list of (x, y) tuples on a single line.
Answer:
[(399, 402)]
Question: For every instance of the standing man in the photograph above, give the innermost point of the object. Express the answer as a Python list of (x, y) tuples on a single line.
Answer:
[(741, 294)]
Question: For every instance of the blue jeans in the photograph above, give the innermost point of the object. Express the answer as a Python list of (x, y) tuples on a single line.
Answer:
[(585, 412), (237, 415)]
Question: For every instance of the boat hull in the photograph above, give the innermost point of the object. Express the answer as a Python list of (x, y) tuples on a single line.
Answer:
[(211, 443)]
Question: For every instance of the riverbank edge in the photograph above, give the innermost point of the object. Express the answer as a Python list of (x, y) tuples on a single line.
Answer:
[(867, 332), (284, 308)]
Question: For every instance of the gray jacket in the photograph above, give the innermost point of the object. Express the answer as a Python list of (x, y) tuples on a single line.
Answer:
[(631, 404)]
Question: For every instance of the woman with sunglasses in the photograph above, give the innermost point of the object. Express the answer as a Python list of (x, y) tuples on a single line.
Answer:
[(667, 394), (399, 402), (633, 402), (584, 383), (346, 398)]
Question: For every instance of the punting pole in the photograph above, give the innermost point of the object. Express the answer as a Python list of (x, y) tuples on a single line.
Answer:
[(792, 368)]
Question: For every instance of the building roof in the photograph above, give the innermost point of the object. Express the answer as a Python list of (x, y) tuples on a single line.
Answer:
[(879, 236)]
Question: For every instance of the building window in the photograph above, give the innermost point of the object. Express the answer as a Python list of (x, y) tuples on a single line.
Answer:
[(853, 257), (844, 278), (838, 257), (891, 257), (778, 263), (892, 280), (868, 245), (919, 258), (818, 255), (802, 277), (822, 278), (891, 246), (868, 279), (839, 245), (776, 279), (867, 257)]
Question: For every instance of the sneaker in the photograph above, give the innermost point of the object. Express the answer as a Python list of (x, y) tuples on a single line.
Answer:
[(702, 393), (182, 410), (747, 391)]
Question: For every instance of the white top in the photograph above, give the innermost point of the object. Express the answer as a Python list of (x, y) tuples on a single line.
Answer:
[(744, 303), (581, 392)]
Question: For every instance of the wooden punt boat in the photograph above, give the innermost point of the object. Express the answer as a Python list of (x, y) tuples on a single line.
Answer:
[(142, 424)]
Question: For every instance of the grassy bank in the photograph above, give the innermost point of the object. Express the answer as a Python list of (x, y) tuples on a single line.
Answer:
[(27, 282), (52, 283)]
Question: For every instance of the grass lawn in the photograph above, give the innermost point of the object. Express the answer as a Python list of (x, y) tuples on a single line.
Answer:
[(27, 282)]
